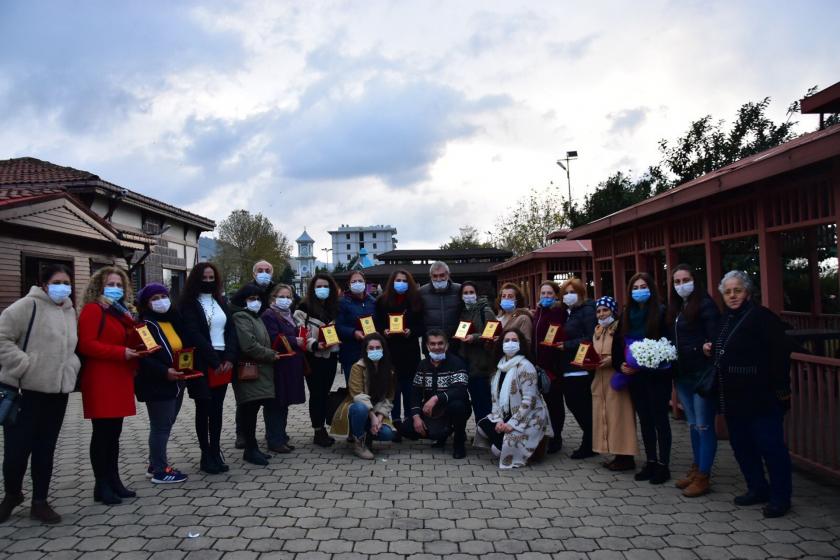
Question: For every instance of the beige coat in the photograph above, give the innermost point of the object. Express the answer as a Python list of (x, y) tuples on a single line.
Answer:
[(358, 391), (521, 319), (50, 364), (613, 417)]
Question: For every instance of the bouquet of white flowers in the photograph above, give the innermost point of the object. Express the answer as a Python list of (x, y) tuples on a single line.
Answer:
[(651, 354)]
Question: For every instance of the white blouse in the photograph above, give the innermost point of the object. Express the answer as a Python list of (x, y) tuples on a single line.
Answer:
[(216, 320)]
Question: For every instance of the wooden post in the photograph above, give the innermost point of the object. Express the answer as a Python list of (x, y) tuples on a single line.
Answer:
[(618, 279), (596, 274), (814, 277), (713, 261), (770, 264)]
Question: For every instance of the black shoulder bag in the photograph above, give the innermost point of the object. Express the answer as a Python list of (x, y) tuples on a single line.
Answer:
[(10, 395), (705, 384)]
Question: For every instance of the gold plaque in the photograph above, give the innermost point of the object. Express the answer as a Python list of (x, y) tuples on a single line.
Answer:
[(330, 335), (551, 335), (185, 359), (463, 330), (490, 330), (396, 323), (367, 325), (143, 340)]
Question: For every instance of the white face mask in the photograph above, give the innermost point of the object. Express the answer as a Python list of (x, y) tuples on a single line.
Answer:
[(254, 305), (263, 278), (283, 303), (510, 347), (570, 299), (357, 287), (607, 321), (161, 305), (437, 356), (685, 289), (470, 299), (440, 284)]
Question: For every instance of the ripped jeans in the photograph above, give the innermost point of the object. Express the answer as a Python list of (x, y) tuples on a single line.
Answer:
[(700, 415)]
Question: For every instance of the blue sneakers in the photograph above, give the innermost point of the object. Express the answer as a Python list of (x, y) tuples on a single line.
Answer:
[(168, 476)]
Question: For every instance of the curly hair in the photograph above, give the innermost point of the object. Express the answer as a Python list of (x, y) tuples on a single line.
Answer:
[(96, 286)]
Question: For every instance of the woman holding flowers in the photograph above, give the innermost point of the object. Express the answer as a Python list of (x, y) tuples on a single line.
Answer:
[(650, 387)]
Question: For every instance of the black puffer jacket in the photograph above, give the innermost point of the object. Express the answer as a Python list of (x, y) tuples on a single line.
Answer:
[(441, 310), (690, 337), (579, 328)]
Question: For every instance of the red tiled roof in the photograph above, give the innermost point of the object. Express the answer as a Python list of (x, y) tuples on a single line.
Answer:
[(558, 250), (28, 170), (15, 195)]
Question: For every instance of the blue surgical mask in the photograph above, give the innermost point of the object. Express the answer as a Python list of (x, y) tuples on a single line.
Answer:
[(263, 278), (283, 303), (685, 289), (437, 357), (59, 292), (508, 304), (113, 293), (322, 292), (470, 299), (375, 355), (161, 305), (547, 302), (440, 284), (641, 296), (357, 287), (400, 286)]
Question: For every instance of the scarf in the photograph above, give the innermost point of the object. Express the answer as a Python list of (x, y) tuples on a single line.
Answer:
[(505, 366), (637, 327), (283, 315)]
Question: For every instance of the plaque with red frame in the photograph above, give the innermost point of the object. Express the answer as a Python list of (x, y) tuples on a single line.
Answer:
[(303, 332), (586, 357), (490, 330), (141, 339), (184, 361), (366, 325), (463, 331), (329, 335), (553, 335), (282, 346)]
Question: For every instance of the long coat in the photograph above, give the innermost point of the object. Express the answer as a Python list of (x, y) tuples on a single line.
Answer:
[(107, 377), (350, 309), (288, 372), (479, 357), (528, 414), (548, 357), (613, 416), (358, 391), (405, 350), (254, 346), (195, 325)]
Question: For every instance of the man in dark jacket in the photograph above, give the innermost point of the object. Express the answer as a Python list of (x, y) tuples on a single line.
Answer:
[(440, 403), (441, 300)]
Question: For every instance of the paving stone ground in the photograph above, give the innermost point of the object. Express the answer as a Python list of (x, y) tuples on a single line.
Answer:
[(412, 502)]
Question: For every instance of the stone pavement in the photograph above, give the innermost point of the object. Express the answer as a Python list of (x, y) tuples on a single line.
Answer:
[(412, 502)]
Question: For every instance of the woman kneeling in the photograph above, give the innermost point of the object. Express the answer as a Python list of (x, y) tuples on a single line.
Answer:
[(366, 411), (519, 422)]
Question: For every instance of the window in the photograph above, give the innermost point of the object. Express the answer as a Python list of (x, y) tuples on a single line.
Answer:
[(348, 258), (348, 246), (174, 280), (348, 236), (361, 236), (32, 267), (374, 245), (374, 235), (361, 245), (152, 225)]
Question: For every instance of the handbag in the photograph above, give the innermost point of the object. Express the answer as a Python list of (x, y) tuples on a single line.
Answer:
[(247, 371), (706, 380), (334, 400), (543, 380), (9, 394), (216, 378)]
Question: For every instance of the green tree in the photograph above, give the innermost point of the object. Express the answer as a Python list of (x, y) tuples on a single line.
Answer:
[(467, 238), (616, 193), (244, 239), (526, 227)]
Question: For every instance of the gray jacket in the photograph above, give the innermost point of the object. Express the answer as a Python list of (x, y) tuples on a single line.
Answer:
[(441, 310)]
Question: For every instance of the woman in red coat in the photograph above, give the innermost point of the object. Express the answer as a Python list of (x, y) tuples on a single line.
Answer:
[(107, 375)]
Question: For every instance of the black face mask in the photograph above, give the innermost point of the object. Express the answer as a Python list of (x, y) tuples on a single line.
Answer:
[(208, 287)]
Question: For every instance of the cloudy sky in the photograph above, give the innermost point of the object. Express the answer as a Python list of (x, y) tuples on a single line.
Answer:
[(425, 115)]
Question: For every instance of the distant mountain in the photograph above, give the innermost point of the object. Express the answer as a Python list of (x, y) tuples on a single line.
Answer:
[(206, 248)]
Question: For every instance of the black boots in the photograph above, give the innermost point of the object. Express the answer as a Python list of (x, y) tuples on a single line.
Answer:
[(254, 456), (8, 505), (41, 511), (208, 463), (661, 475), (322, 438), (459, 445), (119, 488), (555, 445), (216, 455), (647, 471), (102, 492)]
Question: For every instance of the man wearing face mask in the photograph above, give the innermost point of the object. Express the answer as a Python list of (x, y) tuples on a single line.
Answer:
[(440, 404), (263, 272), (441, 300)]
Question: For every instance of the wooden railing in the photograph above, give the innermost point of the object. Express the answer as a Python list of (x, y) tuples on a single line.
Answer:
[(813, 425)]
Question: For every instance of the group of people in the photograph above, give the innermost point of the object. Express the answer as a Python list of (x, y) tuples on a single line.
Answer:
[(410, 372)]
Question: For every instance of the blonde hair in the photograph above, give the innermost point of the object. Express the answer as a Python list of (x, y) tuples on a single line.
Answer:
[(577, 286), (96, 286), (279, 287)]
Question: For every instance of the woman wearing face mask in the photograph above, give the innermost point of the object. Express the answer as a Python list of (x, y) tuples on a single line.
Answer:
[(577, 383), (107, 375), (478, 354), (210, 328), (365, 412), (254, 347), (613, 418), (643, 317), (551, 311), (513, 311), (355, 304), (37, 356), (401, 298), (288, 372), (158, 383), (319, 308), (518, 424), (692, 319)]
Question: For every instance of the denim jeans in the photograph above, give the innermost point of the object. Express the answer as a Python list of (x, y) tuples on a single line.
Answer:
[(759, 442), (402, 393), (276, 417), (162, 415), (700, 415), (482, 401), (360, 424)]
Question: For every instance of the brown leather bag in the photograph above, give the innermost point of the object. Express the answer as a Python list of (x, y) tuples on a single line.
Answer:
[(247, 371)]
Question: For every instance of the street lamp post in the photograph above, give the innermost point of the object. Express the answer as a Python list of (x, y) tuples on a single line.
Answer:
[(327, 256), (569, 156)]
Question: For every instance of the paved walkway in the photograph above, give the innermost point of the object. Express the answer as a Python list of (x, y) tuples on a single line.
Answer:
[(412, 502)]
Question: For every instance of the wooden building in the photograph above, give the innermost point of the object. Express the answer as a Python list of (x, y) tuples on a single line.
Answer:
[(50, 213), (773, 214), (559, 261)]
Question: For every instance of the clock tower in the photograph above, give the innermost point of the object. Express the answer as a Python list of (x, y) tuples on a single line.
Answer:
[(305, 259)]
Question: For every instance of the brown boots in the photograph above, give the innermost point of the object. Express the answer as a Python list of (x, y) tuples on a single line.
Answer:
[(694, 483)]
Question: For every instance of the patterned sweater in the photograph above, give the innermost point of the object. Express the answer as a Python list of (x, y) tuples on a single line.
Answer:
[(447, 380)]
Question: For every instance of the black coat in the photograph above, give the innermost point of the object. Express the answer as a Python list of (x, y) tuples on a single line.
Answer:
[(151, 383), (689, 339), (753, 373), (198, 331), (579, 327), (441, 310), (405, 350)]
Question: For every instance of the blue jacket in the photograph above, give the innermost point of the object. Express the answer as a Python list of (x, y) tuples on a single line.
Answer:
[(347, 323)]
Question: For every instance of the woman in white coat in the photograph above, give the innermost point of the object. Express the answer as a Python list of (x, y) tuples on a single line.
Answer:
[(518, 424)]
